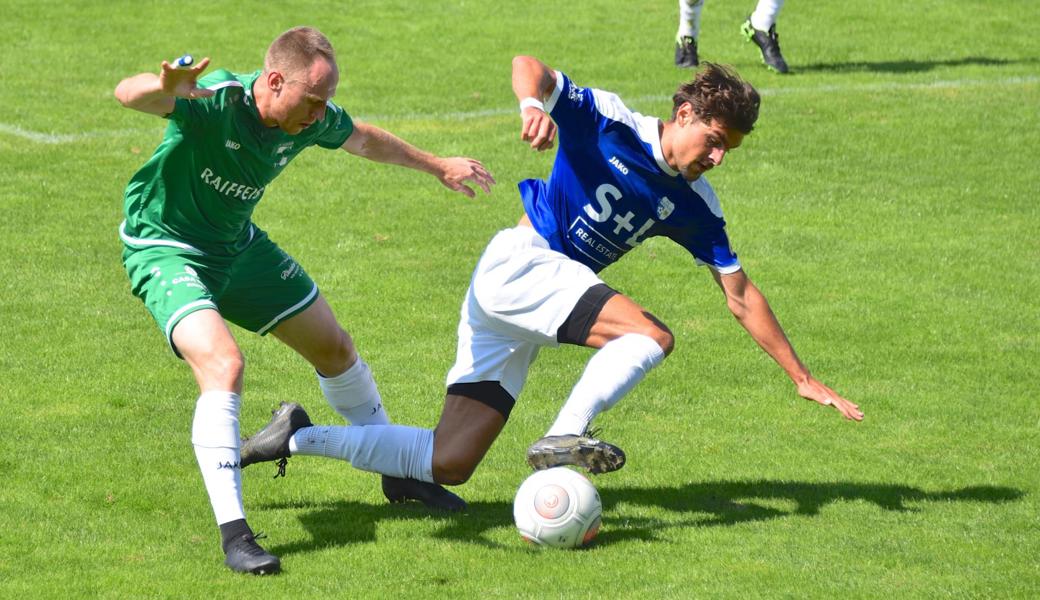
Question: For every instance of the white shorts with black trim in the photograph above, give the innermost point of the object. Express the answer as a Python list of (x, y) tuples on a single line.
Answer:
[(520, 294)]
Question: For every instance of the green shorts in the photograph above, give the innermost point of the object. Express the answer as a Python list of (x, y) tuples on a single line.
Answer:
[(256, 290)]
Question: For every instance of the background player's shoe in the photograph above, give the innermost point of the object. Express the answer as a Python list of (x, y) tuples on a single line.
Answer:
[(432, 495), (595, 456), (686, 52), (246, 556), (769, 43), (272, 442)]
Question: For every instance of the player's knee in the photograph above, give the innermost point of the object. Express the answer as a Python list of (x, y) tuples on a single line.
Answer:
[(224, 369), (451, 471), (659, 332), (337, 354)]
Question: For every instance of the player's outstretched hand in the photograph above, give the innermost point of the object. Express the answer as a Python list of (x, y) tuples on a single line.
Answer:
[(538, 129), (182, 82), (456, 171), (812, 389)]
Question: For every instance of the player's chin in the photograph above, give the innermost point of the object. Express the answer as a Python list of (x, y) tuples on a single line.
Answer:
[(692, 174), (294, 129)]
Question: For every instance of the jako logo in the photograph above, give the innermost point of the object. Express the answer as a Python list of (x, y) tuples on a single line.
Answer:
[(233, 145), (620, 165)]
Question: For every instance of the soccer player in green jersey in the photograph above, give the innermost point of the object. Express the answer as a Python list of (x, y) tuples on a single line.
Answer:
[(196, 259)]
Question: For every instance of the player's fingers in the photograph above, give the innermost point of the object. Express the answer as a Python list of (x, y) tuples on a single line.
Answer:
[(542, 136), (201, 66), (527, 129), (484, 173), (478, 180), (464, 190)]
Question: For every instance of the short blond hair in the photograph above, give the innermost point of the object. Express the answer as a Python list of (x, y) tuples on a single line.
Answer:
[(297, 49)]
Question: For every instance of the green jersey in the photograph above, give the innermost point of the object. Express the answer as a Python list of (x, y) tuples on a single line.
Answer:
[(198, 190)]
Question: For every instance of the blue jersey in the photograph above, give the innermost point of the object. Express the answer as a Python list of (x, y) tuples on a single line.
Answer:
[(610, 187)]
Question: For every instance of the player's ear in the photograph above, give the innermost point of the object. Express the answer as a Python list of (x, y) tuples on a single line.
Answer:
[(685, 115), (275, 81)]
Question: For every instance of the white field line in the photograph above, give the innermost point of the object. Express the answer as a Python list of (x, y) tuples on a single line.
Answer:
[(68, 138)]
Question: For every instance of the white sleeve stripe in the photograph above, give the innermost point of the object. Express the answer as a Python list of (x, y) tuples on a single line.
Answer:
[(551, 102), (224, 84), (703, 189)]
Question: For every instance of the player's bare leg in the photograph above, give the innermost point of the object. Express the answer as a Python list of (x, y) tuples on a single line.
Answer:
[(206, 344), (464, 434)]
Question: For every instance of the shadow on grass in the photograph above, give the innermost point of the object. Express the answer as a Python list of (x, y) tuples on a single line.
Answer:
[(908, 66), (707, 504)]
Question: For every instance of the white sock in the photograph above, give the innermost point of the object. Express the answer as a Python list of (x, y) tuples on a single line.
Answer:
[(765, 13), (354, 396), (214, 433), (614, 370), (690, 18), (394, 450)]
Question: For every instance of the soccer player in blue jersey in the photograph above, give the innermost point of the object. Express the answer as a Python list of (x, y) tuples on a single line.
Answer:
[(196, 258), (619, 178)]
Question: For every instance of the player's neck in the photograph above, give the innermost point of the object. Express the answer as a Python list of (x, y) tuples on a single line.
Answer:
[(667, 130), (262, 97)]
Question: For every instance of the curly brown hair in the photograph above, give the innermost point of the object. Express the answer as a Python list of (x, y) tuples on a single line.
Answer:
[(718, 93)]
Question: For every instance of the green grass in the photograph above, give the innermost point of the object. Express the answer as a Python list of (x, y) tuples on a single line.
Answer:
[(886, 205)]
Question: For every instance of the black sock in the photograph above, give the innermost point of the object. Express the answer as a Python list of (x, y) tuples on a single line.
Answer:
[(233, 530)]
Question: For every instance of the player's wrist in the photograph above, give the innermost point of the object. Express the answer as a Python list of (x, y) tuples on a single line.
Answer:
[(531, 102)]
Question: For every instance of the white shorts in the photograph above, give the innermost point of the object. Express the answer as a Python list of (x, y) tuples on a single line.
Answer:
[(521, 293)]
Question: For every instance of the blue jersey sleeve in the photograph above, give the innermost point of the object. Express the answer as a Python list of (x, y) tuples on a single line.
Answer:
[(707, 241), (573, 108), (710, 247)]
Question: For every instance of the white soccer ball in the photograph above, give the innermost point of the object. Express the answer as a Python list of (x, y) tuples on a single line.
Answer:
[(557, 507)]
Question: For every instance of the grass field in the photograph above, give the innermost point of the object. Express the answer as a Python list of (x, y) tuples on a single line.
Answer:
[(886, 204)]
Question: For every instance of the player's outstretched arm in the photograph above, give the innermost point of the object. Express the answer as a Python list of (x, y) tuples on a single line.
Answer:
[(752, 310), (382, 146), (155, 94), (533, 82)]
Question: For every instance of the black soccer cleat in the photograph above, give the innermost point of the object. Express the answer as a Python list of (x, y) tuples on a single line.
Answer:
[(272, 442), (432, 495), (686, 52), (595, 456), (769, 43), (246, 556)]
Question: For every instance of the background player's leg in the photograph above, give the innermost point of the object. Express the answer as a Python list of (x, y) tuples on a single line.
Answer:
[(765, 14), (689, 29), (206, 344), (690, 18)]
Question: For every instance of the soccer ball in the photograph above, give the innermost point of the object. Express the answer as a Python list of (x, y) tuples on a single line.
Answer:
[(557, 507)]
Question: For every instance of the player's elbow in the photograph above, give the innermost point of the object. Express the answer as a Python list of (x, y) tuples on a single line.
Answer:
[(520, 60), (121, 94)]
